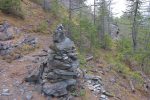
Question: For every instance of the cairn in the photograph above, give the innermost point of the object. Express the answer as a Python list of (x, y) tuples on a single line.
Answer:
[(59, 70)]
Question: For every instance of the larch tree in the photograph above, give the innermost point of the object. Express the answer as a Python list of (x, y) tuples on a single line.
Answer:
[(134, 11), (103, 23)]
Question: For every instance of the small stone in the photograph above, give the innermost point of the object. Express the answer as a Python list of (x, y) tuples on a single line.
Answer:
[(16, 83), (6, 31), (103, 90), (49, 98), (5, 92), (113, 80), (91, 87), (96, 86), (103, 97), (29, 95), (58, 57)]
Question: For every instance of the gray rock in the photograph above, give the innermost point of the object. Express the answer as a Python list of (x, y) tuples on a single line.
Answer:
[(103, 97), (92, 77), (67, 97), (58, 89), (114, 31), (94, 83), (29, 40), (58, 74), (59, 64), (64, 72), (5, 92), (59, 35), (6, 31), (16, 83), (49, 98), (61, 41), (73, 56), (51, 76), (75, 64), (65, 44), (36, 75), (29, 95), (103, 90), (57, 57), (5, 46), (113, 80), (4, 52)]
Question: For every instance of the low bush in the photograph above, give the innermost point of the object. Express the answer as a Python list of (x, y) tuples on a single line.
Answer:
[(43, 27), (11, 7)]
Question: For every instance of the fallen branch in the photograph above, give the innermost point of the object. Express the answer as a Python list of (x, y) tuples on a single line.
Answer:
[(108, 94), (89, 58), (132, 86), (40, 55), (45, 50)]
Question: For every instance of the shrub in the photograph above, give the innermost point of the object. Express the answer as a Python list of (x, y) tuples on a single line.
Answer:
[(47, 5), (129, 74), (107, 43), (37, 1), (124, 45), (137, 79), (11, 7), (43, 27)]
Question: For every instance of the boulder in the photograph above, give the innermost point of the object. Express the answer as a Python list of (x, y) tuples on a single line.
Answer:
[(57, 89)]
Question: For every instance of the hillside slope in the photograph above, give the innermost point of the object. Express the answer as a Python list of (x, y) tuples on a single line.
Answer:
[(12, 73)]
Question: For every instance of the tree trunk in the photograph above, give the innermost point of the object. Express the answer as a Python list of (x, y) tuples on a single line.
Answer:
[(94, 13), (134, 26), (69, 24)]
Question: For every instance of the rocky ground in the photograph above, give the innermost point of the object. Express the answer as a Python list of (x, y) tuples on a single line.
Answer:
[(13, 72), (13, 86)]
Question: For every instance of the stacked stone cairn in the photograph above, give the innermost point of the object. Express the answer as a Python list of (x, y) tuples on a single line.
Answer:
[(59, 70)]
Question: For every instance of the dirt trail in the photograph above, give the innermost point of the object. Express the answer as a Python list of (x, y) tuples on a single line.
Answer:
[(12, 74)]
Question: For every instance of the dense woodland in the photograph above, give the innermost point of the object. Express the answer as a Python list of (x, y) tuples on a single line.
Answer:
[(126, 47)]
